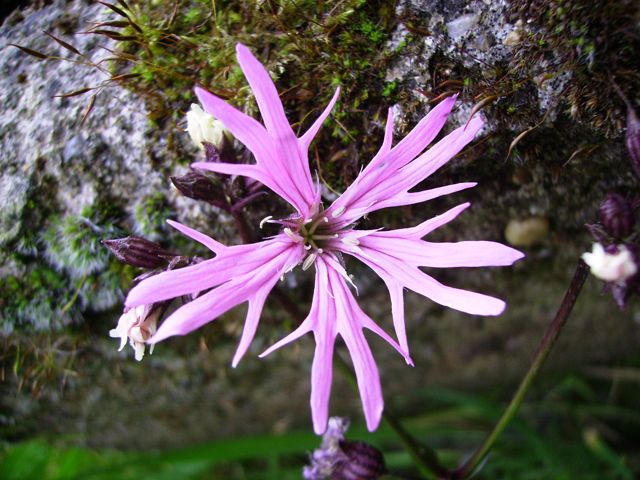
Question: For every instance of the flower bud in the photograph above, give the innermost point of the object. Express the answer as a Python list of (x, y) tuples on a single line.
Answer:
[(341, 459), (617, 216), (203, 127), (138, 252), (616, 265), (362, 462), (325, 460), (211, 152), (137, 325), (199, 187)]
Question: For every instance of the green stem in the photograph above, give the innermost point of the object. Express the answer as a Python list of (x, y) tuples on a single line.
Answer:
[(425, 459), (547, 342)]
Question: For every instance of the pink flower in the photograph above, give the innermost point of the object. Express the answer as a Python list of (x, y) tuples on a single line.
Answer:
[(318, 236)]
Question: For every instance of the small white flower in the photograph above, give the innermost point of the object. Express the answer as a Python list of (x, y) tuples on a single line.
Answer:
[(611, 267), (136, 325), (203, 127)]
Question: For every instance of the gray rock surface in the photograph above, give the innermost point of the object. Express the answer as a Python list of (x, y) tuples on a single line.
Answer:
[(65, 183)]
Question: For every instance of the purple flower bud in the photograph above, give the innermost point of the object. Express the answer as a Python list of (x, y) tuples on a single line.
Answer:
[(597, 232), (199, 187), (211, 152), (362, 462), (617, 216), (138, 252), (620, 293), (632, 139)]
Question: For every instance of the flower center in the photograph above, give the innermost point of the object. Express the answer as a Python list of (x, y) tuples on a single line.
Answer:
[(315, 233)]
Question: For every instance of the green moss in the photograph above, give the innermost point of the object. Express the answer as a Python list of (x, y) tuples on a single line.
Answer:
[(310, 48), (390, 89), (72, 243), (34, 300), (151, 214), (60, 269)]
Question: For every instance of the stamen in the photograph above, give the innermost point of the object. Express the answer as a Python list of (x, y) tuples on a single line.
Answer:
[(315, 224), (325, 237), (351, 240), (265, 220), (311, 258), (293, 236), (337, 212)]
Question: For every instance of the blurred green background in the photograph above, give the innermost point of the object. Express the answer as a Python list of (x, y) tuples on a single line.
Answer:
[(575, 427)]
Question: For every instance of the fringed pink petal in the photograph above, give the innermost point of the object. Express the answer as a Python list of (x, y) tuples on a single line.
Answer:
[(231, 262), (281, 163), (414, 279), (303, 329), (305, 140), (290, 162), (253, 171), (388, 132), (385, 148), (439, 154), (256, 304), (367, 375), (397, 312), (219, 300), (207, 241), (447, 255), (427, 226), (265, 92), (412, 198), (246, 129), (421, 135), (202, 310), (174, 283), (325, 332), (385, 177)]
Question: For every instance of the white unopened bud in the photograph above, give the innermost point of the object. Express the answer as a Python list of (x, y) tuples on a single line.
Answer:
[(137, 325), (611, 267), (203, 127)]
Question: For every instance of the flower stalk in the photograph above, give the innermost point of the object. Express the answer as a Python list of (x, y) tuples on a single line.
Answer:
[(547, 342)]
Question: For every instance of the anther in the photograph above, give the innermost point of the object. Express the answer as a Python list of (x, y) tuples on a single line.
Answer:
[(326, 237), (337, 212), (350, 240), (309, 261), (265, 220), (293, 236)]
